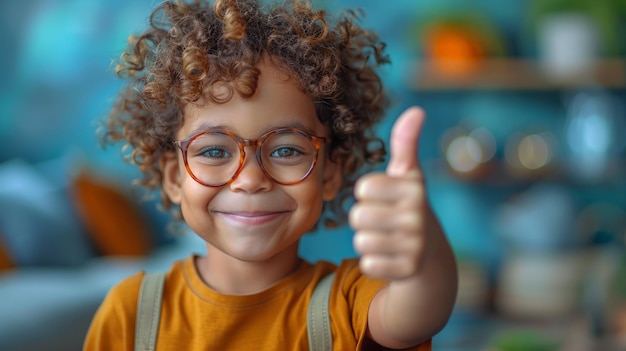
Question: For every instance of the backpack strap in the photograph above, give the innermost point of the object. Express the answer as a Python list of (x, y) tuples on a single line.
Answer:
[(149, 311), (318, 316)]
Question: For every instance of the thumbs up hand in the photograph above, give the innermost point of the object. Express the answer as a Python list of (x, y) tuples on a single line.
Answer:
[(392, 218), (400, 240)]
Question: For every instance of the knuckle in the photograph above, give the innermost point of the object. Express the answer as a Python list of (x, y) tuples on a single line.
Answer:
[(367, 185), (367, 265), (354, 215), (362, 186), (360, 243), (373, 266)]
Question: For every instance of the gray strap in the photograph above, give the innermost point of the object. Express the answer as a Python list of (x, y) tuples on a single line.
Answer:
[(149, 311), (318, 317)]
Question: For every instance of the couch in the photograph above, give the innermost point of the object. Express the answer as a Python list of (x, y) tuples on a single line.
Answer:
[(68, 233), (50, 308)]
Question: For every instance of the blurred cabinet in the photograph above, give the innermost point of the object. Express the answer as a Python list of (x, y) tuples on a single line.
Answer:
[(529, 197)]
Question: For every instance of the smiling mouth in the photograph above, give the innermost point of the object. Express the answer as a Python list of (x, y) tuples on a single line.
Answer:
[(251, 218)]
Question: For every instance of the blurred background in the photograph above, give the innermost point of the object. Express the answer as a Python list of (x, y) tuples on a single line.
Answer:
[(524, 151)]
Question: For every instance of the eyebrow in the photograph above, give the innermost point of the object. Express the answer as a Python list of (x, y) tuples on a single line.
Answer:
[(205, 126)]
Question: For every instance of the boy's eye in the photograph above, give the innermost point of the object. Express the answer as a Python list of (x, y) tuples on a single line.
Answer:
[(286, 151), (215, 152)]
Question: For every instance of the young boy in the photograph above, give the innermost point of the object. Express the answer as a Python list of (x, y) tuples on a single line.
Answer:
[(251, 122)]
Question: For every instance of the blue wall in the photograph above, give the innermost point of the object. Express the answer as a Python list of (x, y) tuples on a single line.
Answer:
[(56, 82)]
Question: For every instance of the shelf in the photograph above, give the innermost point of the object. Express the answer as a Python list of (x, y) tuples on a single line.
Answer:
[(514, 74), (496, 174)]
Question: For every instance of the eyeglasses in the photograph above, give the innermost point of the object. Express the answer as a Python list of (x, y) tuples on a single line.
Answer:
[(215, 157)]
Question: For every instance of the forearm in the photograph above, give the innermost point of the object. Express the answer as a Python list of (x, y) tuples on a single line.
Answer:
[(401, 240), (416, 308)]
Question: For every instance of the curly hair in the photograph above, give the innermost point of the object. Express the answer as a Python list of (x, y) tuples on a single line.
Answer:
[(189, 47)]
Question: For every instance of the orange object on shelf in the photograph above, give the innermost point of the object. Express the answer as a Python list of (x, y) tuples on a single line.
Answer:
[(453, 50)]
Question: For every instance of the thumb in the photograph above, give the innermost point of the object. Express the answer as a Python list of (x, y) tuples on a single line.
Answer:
[(404, 142)]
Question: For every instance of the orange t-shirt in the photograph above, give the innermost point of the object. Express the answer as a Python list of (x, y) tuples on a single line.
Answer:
[(195, 317)]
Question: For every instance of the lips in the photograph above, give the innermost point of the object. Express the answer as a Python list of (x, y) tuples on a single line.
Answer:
[(251, 218)]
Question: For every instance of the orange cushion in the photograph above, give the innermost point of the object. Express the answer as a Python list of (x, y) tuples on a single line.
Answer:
[(5, 260), (116, 225)]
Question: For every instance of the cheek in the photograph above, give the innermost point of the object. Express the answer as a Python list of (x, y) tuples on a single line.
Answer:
[(309, 195), (195, 197)]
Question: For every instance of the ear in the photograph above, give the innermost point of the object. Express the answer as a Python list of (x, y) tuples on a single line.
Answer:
[(332, 178), (171, 176)]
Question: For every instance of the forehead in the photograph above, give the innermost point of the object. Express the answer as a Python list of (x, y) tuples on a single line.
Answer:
[(277, 102)]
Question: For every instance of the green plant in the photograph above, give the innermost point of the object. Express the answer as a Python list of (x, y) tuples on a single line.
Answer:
[(523, 340), (606, 15)]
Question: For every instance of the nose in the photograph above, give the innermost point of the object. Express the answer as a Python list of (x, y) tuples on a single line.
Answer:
[(251, 178)]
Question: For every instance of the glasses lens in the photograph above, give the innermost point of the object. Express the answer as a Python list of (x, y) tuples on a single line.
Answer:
[(287, 156), (213, 158)]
